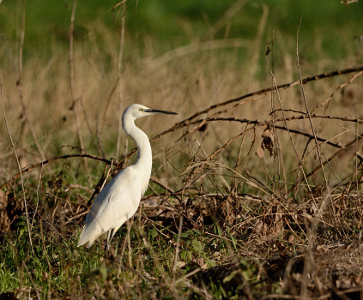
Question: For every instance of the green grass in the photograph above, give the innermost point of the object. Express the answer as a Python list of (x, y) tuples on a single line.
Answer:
[(248, 218), (66, 269)]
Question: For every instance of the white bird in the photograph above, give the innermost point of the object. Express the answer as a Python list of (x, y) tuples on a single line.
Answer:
[(120, 198)]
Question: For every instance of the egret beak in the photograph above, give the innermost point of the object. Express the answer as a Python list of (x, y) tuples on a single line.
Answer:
[(158, 111)]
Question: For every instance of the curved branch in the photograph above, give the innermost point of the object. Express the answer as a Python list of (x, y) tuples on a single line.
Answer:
[(47, 161), (263, 91)]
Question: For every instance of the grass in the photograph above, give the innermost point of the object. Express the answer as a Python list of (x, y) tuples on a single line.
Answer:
[(243, 201)]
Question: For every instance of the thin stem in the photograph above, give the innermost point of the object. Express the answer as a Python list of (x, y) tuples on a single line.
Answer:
[(20, 82), (74, 101), (19, 167), (120, 83)]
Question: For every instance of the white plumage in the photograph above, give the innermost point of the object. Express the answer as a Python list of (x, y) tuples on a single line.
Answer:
[(120, 198)]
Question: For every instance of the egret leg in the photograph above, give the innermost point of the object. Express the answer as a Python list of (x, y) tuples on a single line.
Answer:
[(109, 238), (113, 233)]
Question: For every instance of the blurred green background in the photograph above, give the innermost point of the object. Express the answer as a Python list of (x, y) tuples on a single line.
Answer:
[(169, 24)]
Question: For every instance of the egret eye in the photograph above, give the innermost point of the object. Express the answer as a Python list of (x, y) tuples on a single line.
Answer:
[(141, 109)]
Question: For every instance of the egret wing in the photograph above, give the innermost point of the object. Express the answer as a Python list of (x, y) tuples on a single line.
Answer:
[(117, 202)]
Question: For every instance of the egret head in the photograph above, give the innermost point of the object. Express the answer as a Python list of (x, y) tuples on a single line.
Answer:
[(135, 111)]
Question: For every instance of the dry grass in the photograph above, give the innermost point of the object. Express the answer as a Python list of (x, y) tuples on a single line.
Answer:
[(239, 204)]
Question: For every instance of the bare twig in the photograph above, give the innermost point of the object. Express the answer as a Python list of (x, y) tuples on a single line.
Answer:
[(74, 101), (32, 281), (263, 91), (120, 83), (120, 163), (50, 160), (309, 257), (273, 112), (348, 149), (102, 117), (296, 131), (19, 166), (338, 88), (177, 246), (19, 83)]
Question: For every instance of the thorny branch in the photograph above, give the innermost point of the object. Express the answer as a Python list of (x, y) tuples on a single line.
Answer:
[(263, 91), (190, 121)]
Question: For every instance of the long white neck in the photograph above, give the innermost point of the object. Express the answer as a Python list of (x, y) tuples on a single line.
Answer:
[(144, 156)]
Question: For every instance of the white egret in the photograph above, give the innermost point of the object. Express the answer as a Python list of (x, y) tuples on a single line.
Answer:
[(120, 198)]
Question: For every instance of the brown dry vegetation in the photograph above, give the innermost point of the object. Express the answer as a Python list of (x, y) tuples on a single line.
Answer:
[(243, 202)]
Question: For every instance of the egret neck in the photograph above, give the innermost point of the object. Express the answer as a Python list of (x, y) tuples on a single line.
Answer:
[(144, 155)]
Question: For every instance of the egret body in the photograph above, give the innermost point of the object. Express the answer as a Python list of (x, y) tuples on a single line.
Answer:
[(120, 198)]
